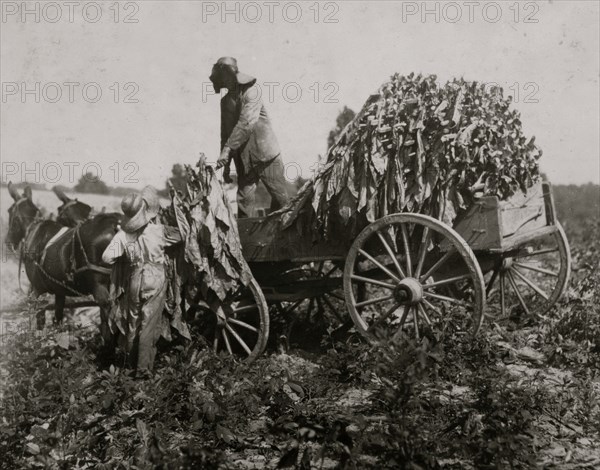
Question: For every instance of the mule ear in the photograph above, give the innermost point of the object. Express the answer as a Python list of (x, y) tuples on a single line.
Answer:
[(60, 194), (27, 192), (13, 191)]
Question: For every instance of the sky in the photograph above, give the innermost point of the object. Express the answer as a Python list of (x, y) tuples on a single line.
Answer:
[(122, 91)]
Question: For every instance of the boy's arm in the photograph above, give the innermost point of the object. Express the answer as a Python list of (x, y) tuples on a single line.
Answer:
[(114, 250)]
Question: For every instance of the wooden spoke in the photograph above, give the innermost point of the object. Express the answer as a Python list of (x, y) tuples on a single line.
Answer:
[(311, 304), (443, 282), (432, 307), (336, 296), (415, 321), (490, 285), (332, 307), (320, 266), (292, 307), (536, 269), (387, 285), (511, 279), (238, 339), (437, 265), (531, 284), (226, 339), (390, 252), (406, 249), (402, 320), (502, 296), (537, 253), (447, 299), (422, 251), (216, 343), (320, 307), (245, 308), (364, 303), (386, 315), (379, 265), (237, 322), (330, 272), (423, 312)]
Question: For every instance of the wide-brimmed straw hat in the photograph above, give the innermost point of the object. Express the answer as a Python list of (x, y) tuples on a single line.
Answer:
[(230, 62), (139, 209)]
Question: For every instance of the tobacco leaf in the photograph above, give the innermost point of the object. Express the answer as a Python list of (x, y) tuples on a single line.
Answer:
[(417, 146), (212, 247)]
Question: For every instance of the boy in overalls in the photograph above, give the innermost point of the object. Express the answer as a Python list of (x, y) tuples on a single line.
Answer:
[(141, 295)]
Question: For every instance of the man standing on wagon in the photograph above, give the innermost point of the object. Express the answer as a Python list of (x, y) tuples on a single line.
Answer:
[(247, 138)]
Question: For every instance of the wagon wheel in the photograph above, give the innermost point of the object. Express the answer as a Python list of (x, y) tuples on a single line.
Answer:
[(329, 305), (242, 328), (405, 264), (319, 312), (534, 278)]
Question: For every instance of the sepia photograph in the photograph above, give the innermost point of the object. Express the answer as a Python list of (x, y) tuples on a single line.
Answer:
[(312, 234)]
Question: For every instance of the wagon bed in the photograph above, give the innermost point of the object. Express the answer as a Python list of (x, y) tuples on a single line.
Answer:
[(488, 225)]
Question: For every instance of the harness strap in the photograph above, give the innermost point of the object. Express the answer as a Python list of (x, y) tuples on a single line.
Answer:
[(89, 266), (51, 242), (94, 267), (22, 247)]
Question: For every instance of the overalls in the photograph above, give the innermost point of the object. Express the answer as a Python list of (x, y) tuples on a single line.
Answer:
[(145, 287)]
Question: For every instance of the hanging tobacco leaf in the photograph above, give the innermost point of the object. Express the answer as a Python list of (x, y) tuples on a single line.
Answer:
[(417, 146)]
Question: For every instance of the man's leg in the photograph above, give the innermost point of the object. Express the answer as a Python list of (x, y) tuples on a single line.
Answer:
[(273, 178), (246, 197)]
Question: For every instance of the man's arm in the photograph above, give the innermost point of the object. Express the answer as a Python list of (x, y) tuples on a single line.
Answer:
[(249, 115)]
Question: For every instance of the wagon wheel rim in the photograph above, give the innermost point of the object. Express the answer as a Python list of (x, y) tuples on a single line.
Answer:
[(242, 329), (409, 271), (535, 279)]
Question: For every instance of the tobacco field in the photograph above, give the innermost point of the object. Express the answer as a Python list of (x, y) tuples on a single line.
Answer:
[(523, 394)]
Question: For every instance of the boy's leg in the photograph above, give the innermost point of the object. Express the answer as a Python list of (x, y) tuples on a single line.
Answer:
[(149, 331)]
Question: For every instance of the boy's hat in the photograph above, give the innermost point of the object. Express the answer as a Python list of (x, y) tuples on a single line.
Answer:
[(139, 209)]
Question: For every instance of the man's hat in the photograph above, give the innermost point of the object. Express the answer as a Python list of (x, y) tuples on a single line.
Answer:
[(230, 62), (139, 209)]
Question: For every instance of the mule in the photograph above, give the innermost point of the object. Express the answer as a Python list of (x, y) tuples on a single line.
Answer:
[(72, 211), (71, 264)]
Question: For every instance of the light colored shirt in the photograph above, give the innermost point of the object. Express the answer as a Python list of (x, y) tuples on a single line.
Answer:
[(245, 126), (147, 246)]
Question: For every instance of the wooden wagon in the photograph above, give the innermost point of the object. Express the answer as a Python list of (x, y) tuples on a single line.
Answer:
[(405, 273)]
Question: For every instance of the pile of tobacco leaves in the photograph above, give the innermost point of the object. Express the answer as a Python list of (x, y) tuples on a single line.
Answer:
[(212, 254), (417, 146)]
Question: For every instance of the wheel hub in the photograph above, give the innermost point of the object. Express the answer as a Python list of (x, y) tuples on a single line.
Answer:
[(409, 291), (506, 264)]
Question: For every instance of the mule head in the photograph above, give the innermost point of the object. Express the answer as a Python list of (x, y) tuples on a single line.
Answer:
[(20, 215), (72, 211)]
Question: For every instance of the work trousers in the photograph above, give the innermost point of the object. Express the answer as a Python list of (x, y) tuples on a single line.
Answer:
[(271, 173)]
